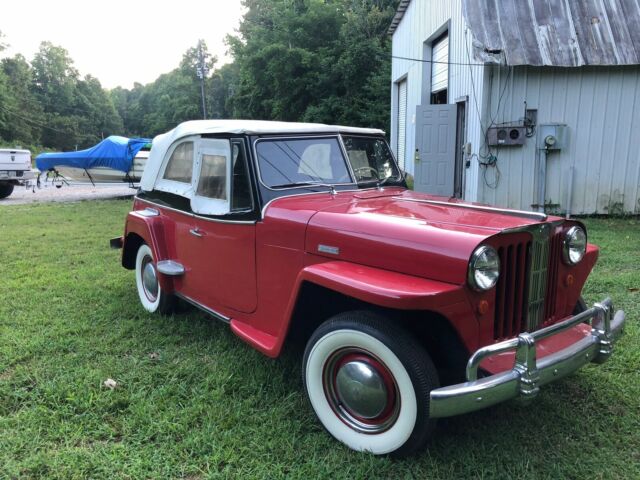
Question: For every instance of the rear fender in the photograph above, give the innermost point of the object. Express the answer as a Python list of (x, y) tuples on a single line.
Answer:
[(152, 230)]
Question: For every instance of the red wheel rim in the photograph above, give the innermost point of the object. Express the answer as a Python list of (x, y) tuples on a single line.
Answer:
[(361, 390)]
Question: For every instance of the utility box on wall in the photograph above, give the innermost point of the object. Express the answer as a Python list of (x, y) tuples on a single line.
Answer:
[(506, 135), (552, 136)]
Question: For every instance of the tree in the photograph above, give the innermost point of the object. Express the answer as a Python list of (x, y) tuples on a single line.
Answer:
[(222, 89), (26, 117), (172, 98), (54, 78), (314, 60)]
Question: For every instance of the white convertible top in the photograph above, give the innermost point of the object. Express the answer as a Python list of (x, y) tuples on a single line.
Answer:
[(163, 142)]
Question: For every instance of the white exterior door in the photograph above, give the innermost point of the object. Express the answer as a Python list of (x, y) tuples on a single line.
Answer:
[(436, 145)]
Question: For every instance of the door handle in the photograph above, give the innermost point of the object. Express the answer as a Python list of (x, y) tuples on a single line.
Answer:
[(196, 233)]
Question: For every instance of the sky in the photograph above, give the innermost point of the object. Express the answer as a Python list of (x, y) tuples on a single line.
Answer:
[(120, 42)]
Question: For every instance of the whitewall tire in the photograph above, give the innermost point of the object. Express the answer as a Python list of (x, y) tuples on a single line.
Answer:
[(152, 298), (369, 382)]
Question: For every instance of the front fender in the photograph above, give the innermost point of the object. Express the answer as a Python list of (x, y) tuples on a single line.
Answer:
[(382, 287), (389, 290)]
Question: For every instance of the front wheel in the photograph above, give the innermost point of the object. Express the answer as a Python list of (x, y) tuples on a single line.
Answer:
[(152, 297), (6, 189), (369, 383)]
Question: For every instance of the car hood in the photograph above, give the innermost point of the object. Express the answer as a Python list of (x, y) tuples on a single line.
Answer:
[(400, 230)]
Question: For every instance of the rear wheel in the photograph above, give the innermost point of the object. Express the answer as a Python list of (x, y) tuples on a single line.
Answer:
[(152, 297), (6, 189), (369, 383)]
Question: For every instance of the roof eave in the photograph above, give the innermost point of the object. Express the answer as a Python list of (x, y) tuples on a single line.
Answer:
[(404, 4)]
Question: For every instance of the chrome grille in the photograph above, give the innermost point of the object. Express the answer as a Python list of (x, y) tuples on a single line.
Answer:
[(526, 290), (538, 278)]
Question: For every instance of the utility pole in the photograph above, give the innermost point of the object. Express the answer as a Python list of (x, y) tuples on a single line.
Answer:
[(202, 70)]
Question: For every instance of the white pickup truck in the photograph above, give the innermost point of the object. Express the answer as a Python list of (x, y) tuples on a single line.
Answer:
[(15, 169)]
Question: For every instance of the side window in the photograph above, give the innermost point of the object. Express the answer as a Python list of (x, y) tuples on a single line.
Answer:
[(240, 186), (212, 183), (180, 166)]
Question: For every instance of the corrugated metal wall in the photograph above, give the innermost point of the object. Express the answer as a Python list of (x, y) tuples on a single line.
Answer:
[(601, 108), (423, 21)]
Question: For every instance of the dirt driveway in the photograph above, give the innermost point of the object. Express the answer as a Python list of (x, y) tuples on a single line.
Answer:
[(74, 192)]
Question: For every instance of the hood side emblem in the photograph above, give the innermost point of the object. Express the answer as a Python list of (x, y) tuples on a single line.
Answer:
[(328, 249)]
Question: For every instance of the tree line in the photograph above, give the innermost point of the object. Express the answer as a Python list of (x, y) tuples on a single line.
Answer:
[(293, 60)]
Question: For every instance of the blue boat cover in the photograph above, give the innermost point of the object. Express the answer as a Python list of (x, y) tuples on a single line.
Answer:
[(113, 152)]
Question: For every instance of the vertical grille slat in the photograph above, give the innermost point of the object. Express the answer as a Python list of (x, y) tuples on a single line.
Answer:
[(518, 311), (552, 281), (512, 293), (498, 325)]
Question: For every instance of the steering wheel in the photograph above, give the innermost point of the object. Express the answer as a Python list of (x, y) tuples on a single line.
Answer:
[(366, 169)]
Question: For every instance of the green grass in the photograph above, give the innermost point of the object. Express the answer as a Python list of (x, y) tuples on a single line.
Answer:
[(207, 405)]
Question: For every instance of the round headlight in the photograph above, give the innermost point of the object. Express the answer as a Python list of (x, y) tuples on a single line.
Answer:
[(484, 268), (575, 245)]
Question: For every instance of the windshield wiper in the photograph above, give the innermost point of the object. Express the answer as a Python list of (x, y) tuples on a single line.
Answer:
[(307, 184)]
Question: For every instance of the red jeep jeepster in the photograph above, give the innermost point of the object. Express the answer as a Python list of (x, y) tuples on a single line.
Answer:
[(412, 307)]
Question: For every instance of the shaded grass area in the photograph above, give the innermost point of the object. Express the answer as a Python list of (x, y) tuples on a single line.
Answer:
[(195, 402)]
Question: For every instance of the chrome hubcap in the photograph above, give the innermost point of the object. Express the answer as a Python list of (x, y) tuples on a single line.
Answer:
[(361, 389), (150, 279)]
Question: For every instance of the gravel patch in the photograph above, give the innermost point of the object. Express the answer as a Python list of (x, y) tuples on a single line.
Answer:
[(74, 192)]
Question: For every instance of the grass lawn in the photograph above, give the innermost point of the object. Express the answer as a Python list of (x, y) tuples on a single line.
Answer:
[(193, 401)]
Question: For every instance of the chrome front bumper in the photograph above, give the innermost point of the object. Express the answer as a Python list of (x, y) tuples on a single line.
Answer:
[(528, 374)]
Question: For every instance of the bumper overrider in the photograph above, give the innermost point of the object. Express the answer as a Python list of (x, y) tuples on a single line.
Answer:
[(528, 374)]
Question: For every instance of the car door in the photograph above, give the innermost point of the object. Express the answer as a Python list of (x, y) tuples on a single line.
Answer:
[(226, 267), (172, 195)]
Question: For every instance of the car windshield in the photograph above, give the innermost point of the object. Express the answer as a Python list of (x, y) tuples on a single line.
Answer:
[(299, 162), (371, 160)]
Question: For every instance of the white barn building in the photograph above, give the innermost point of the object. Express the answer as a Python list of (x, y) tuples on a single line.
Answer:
[(521, 104)]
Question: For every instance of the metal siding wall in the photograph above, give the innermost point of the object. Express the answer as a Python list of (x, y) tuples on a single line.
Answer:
[(598, 106), (421, 21)]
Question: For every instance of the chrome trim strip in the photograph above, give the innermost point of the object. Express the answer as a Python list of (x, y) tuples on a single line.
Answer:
[(528, 228), (330, 249), (193, 215), (210, 311), (505, 211), (528, 375)]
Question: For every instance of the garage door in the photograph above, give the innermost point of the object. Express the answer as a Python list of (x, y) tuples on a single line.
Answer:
[(402, 122)]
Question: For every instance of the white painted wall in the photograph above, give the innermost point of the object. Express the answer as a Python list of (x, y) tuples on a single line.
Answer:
[(601, 106), (423, 21)]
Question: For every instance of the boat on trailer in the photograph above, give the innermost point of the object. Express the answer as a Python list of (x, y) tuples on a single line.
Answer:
[(114, 160)]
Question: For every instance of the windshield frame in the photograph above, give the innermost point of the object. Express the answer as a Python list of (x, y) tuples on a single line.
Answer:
[(396, 180), (305, 185)]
